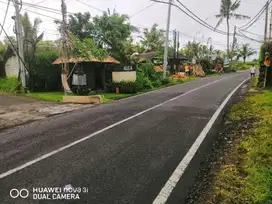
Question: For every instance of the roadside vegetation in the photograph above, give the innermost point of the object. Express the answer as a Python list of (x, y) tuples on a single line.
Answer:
[(244, 65), (246, 173), (110, 34)]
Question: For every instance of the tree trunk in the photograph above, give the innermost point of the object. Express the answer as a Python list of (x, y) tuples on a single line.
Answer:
[(228, 37), (244, 60), (64, 78)]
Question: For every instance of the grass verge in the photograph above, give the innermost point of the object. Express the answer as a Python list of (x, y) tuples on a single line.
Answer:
[(57, 96), (246, 175), (107, 97)]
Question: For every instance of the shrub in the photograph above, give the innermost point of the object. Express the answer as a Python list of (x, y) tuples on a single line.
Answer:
[(44, 76), (10, 84), (166, 81), (147, 84), (124, 87), (156, 83), (206, 65)]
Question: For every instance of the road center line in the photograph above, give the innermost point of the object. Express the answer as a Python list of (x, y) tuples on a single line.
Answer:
[(29, 163), (175, 177)]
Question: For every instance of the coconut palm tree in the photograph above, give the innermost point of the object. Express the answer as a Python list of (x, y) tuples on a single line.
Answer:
[(246, 51), (153, 38), (228, 11), (31, 37)]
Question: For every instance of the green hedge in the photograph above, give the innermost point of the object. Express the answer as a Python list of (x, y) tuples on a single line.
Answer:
[(244, 66), (10, 84), (124, 87)]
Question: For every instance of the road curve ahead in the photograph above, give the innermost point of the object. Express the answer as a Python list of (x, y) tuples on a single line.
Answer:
[(123, 152)]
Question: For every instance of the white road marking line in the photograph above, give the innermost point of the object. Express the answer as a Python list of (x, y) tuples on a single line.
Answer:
[(29, 163), (175, 177)]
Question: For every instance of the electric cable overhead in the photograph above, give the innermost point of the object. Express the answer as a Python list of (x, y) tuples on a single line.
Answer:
[(37, 3), (199, 20), (5, 17), (13, 47), (245, 36), (256, 17), (142, 10), (36, 12), (89, 6), (203, 23), (252, 33)]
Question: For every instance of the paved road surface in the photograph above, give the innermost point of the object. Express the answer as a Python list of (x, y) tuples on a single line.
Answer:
[(128, 163)]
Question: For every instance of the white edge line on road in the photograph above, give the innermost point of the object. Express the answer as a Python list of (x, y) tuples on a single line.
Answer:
[(175, 177), (29, 163)]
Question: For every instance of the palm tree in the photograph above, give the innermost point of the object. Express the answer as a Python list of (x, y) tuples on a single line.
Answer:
[(227, 11), (31, 39), (153, 38), (246, 51)]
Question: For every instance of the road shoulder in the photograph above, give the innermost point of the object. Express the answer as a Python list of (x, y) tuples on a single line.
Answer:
[(238, 169)]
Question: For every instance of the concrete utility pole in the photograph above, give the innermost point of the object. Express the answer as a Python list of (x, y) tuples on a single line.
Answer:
[(234, 39), (270, 26), (65, 48), (175, 43), (266, 21), (20, 42), (165, 59)]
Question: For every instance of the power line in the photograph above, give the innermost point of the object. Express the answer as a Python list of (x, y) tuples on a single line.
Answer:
[(245, 36), (90, 6), (6, 13), (36, 12), (203, 23), (200, 21), (12, 46), (142, 9), (255, 18), (252, 33), (37, 3)]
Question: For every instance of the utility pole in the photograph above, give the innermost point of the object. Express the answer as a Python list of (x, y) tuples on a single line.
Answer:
[(165, 60), (175, 43), (234, 41), (20, 42), (65, 48), (270, 26), (266, 21)]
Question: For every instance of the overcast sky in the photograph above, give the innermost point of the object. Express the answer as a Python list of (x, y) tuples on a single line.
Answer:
[(157, 13)]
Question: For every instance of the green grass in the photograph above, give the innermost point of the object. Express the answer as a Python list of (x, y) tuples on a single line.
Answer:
[(10, 85), (57, 96), (247, 178), (107, 97), (47, 96)]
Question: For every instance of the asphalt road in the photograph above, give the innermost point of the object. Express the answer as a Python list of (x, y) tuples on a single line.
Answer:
[(128, 163)]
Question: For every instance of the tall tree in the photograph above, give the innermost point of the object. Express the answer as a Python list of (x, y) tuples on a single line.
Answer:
[(228, 10), (80, 25), (31, 38), (112, 31), (153, 38), (246, 51)]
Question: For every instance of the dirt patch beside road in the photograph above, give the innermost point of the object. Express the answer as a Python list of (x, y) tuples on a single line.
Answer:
[(18, 110)]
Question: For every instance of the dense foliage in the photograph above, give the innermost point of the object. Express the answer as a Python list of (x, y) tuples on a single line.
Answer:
[(10, 84)]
